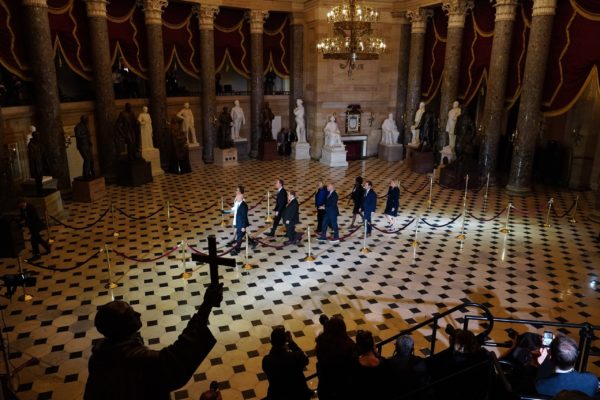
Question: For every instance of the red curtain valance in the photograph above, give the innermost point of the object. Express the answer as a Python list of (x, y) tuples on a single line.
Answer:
[(181, 38), (520, 40), (232, 41), (13, 55), (276, 44), (434, 55), (127, 35)]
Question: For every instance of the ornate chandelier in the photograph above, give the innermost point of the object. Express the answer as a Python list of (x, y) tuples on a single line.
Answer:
[(352, 40)]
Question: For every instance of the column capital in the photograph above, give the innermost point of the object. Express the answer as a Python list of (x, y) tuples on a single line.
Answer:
[(296, 18), (457, 11), (153, 10), (544, 7), (506, 10), (418, 19), (96, 8), (400, 17), (35, 3), (257, 20), (206, 15)]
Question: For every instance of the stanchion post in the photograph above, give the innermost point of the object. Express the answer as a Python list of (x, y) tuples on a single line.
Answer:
[(547, 222), (415, 242), (183, 251), (110, 284), (487, 186), (364, 249), (430, 189), (169, 227), (25, 297), (48, 227), (247, 264), (269, 219), (222, 209), (572, 219), (461, 236), (309, 257), (114, 225), (505, 229)]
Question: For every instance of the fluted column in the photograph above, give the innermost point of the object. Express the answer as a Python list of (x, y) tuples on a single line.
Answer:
[(297, 63), (257, 20), (418, 26), (104, 104), (493, 112), (457, 11), (46, 100), (206, 17), (156, 76), (404, 54), (530, 117)]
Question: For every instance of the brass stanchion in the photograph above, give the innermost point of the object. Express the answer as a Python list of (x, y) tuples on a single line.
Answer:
[(505, 229), (48, 228), (415, 242), (461, 236), (572, 219), (547, 223), (112, 213), (182, 250), (487, 186), (25, 296), (247, 264), (364, 249), (269, 219), (169, 227), (430, 189), (110, 284), (309, 257), (222, 210)]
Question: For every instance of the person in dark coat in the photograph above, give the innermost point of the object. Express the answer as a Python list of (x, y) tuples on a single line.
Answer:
[(331, 214), (358, 192), (123, 368), (284, 367), (37, 161), (84, 146), (291, 217), (409, 372), (368, 204), (320, 198), (393, 203), (240, 221), (31, 218), (371, 375), (280, 203)]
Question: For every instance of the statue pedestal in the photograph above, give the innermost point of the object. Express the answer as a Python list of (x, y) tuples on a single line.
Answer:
[(267, 150), (301, 151), (50, 203), (447, 154), (88, 191), (420, 162), (241, 145), (226, 157), (334, 157), (193, 146), (49, 185), (454, 177), (391, 152), (133, 172), (153, 156)]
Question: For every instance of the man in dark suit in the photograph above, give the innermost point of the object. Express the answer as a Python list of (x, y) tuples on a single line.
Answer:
[(240, 222), (331, 214), (291, 217), (369, 204), (29, 216), (280, 203)]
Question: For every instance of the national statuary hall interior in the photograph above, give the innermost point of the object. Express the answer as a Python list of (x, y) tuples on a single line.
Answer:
[(127, 126)]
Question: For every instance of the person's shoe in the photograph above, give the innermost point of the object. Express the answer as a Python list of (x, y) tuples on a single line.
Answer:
[(234, 252), (334, 241), (253, 244), (322, 239), (35, 257), (231, 242), (288, 242), (270, 234)]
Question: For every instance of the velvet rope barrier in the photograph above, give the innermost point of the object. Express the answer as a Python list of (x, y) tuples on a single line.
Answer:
[(470, 214), (249, 208), (403, 227), (224, 253), (139, 218), (145, 260), (310, 197), (559, 216), (195, 212), (80, 228), (76, 266), (416, 191), (443, 225)]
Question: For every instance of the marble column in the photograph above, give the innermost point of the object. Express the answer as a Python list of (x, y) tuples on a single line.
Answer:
[(457, 11), (493, 113), (46, 101), (257, 20), (206, 17), (104, 103), (418, 26), (404, 54), (296, 63), (156, 76), (530, 118), (8, 192)]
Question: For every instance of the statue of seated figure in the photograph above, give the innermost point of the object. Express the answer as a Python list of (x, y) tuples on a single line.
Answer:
[(389, 131), (332, 134)]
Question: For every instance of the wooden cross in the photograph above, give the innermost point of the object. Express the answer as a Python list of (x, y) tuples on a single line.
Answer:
[(213, 260)]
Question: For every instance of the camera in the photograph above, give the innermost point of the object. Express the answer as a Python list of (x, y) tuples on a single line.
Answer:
[(547, 338)]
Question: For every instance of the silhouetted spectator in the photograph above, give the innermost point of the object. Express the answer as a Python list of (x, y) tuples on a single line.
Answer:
[(336, 358), (31, 218), (212, 393), (371, 377), (407, 371), (123, 368), (284, 366), (524, 360)]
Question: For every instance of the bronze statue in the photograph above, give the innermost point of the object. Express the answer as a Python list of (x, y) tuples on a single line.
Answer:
[(128, 130), (427, 131), (84, 145), (180, 154), (266, 122), (466, 142), (224, 140)]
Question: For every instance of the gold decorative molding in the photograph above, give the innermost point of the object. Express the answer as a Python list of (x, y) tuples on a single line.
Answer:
[(400, 17), (96, 8), (418, 19), (506, 10), (297, 18), (206, 16), (457, 11), (35, 3), (257, 20), (544, 7), (153, 10)]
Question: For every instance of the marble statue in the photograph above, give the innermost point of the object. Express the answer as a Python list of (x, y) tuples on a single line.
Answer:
[(332, 134), (187, 124), (389, 131), (266, 121), (414, 129), (300, 126), (145, 128), (128, 130), (224, 140), (238, 118), (37, 164), (453, 115), (84, 146)]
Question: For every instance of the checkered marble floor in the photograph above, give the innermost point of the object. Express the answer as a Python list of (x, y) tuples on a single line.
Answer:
[(533, 272)]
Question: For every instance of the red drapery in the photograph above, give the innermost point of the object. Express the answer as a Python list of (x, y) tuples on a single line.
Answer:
[(181, 38), (127, 35), (13, 55), (276, 44), (434, 55), (232, 41), (520, 40)]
